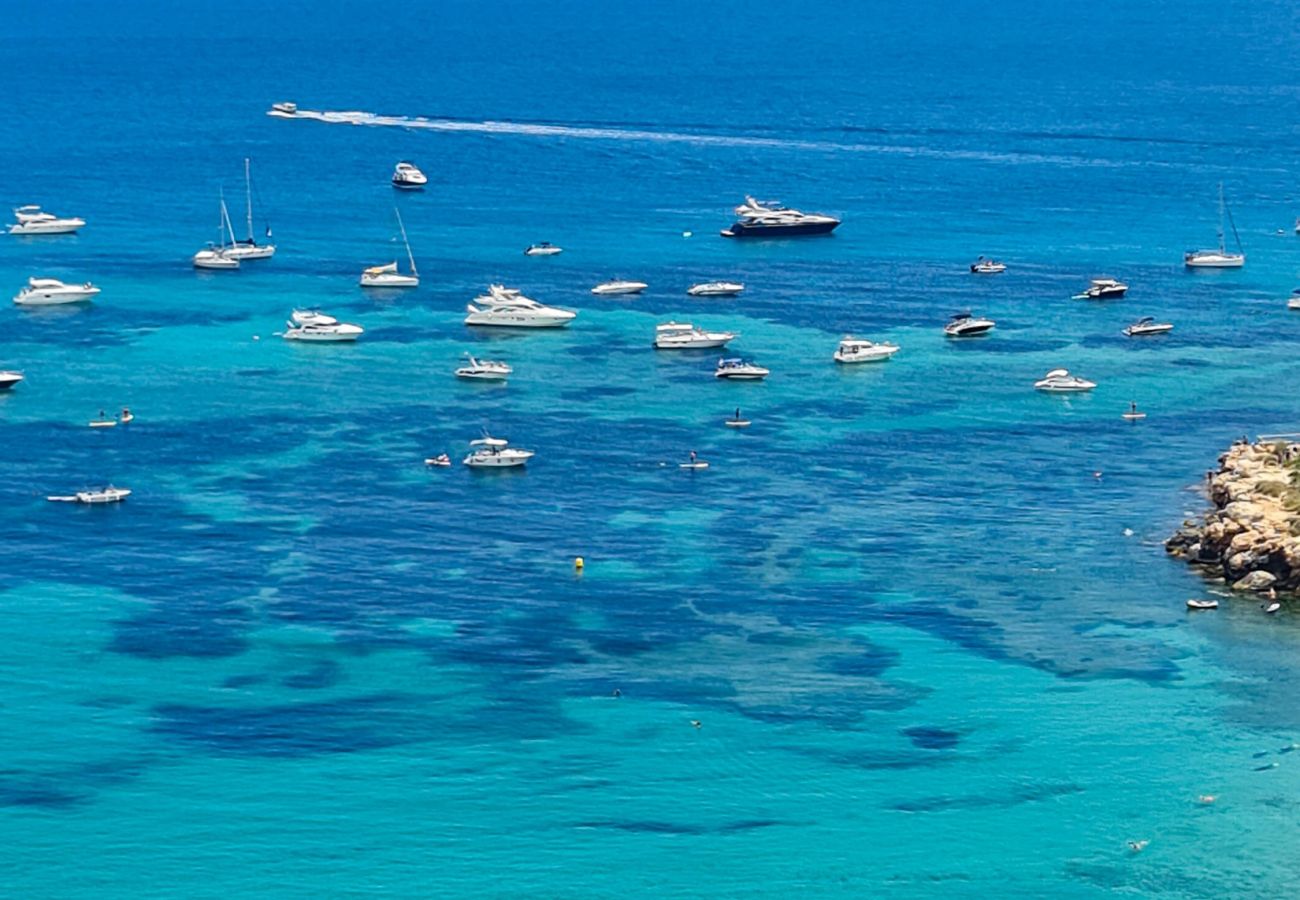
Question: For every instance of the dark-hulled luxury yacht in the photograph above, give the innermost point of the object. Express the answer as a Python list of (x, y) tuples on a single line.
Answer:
[(768, 219)]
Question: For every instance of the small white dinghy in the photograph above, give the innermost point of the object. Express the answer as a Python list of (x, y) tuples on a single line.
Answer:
[(1196, 603), (109, 494), (442, 460)]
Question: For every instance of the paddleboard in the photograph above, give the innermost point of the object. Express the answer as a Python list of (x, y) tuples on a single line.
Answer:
[(737, 423), (104, 423)]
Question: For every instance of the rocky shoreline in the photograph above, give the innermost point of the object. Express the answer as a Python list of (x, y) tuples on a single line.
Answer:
[(1251, 538)]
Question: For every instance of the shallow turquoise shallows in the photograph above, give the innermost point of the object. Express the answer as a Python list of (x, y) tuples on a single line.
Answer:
[(911, 634)]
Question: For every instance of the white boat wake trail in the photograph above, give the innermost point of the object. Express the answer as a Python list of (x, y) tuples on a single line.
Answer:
[(681, 137)]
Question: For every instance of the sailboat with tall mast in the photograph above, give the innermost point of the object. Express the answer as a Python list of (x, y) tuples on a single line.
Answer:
[(217, 256), (1219, 258), (387, 276), (249, 248)]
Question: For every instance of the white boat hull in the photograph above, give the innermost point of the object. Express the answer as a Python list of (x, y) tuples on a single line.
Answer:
[(878, 353), (476, 375), (390, 281), (1215, 260), (29, 297), (1064, 388), (59, 226), (506, 459), (250, 251), (9, 379), (502, 318), (208, 259), (694, 343), (718, 290), (628, 287), (543, 251)]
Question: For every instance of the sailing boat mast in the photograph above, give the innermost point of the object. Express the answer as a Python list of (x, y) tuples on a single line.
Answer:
[(409, 257), (248, 198), (226, 227), (1222, 207)]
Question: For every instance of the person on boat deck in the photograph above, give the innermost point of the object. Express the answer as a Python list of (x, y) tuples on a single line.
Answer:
[(692, 456)]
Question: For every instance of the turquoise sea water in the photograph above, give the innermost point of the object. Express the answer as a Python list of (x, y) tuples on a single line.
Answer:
[(930, 652)]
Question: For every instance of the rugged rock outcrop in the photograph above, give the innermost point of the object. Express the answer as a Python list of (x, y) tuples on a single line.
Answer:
[(1252, 536)]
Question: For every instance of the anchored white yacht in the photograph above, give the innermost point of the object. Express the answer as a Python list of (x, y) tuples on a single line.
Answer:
[(854, 350), (485, 369), (545, 248), (685, 336), (768, 218), (219, 256), (1060, 381), (618, 286), (8, 379), (1147, 325), (1103, 289), (109, 494), (1218, 258), (508, 308), (963, 324), (983, 266), (495, 453), (32, 220), (314, 326), (407, 177), (715, 289), (248, 247), (387, 276), (52, 292), (737, 369)]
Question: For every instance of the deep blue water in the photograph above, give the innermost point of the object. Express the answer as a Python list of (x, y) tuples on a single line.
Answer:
[(930, 651)]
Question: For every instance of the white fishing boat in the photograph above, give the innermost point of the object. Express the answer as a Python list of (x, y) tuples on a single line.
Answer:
[(495, 453), (248, 247), (505, 307), (964, 324), (685, 336), (618, 286), (1218, 258), (407, 177), (1147, 325), (1060, 381), (217, 256), (854, 350), (33, 220), (545, 248), (736, 369), (716, 289), (321, 329), (485, 369), (108, 494), (52, 292), (983, 266), (9, 378), (387, 276)]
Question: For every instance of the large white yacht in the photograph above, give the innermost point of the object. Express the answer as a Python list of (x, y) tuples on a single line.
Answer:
[(316, 327), (407, 177), (52, 292), (1060, 381), (484, 369), (963, 324), (387, 276), (1218, 258), (9, 378), (495, 453), (737, 369), (685, 336), (768, 218), (32, 220), (855, 350), (248, 247), (619, 286), (715, 289), (507, 307)]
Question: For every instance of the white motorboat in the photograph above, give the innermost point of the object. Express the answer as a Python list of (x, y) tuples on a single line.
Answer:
[(964, 324), (33, 220), (387, 276), (108, 494), (52, 292), (508, 308), (545, 248), (983, 266), (407, 177), (495, 453), (442, 460), (1060, 381), (312, 332), (618, 286), (715, 289), (1294, 301), (312, 317), (9, 378), (1196, 603), (218, 256), (736, 369), (485, 369), (685, 336), (1218, 258), (854, 350), (248, 247), (1103, 289), (284, 110), (1147, 325)]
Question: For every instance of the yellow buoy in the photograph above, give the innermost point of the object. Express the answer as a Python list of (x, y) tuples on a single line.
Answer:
[(578, 563)]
